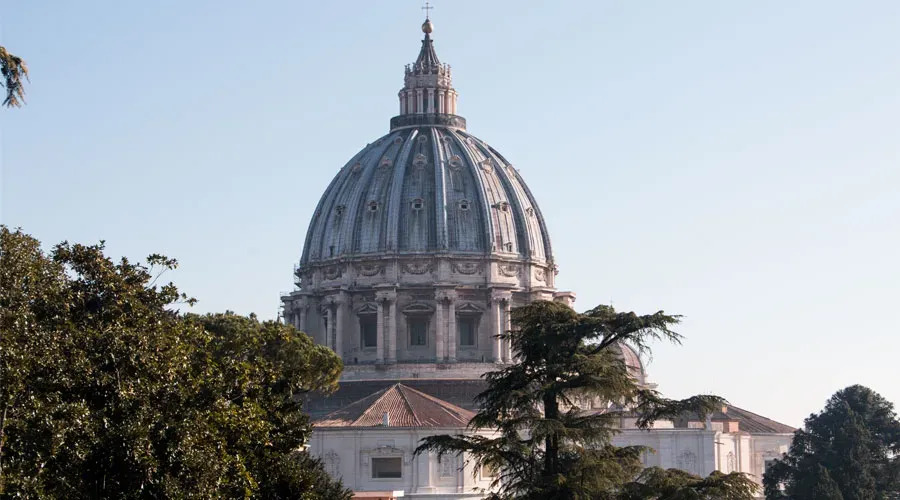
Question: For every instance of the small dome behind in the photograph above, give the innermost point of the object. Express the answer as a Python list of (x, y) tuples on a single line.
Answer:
[(632, 362)]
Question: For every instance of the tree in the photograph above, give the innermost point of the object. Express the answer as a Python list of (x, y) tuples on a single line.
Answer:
[(14, 70), (849, 451), (109, 391), (655, 483), (538, 439)]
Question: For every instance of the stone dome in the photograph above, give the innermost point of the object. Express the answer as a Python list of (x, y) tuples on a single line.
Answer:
[(421, 245), (633, 362), (427, 189)]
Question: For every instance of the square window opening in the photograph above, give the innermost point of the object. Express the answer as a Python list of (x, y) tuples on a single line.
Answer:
[(387, 468), (418, 331), (368, 329), (468, 327)]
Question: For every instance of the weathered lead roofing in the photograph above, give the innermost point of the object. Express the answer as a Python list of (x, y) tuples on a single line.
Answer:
[(428, 59), (404, 407), (427, 189)]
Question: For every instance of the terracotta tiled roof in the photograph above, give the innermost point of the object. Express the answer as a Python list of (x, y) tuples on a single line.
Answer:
[(747, 421), (404, 406), (458, 392)]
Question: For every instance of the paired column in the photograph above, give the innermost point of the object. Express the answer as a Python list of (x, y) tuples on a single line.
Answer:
[(430, 107), (301, 322), (379, 329), (451, 326), (507, 326), (392, 329), (329, 326), (340, 311), (500, 301), (445, 331), (386, 342), (439, 336)]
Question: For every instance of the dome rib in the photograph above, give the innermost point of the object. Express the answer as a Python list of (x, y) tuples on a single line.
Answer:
[(395, 205), (483, 201), (502, 216), (440, 192)]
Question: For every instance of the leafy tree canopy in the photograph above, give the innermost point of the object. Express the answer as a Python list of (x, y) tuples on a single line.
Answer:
[(109, 392), (849, 451), (543, 444)]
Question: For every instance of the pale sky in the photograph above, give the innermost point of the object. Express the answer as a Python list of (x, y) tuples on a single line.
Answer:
[(734, 162)]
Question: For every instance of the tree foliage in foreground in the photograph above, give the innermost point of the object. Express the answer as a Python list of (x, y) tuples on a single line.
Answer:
[(14, 72), (849, 451), (545, 447), (108, 392)]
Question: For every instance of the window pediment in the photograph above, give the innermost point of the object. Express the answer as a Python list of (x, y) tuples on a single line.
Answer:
[(468, 308), (418, 308), (367, 308)]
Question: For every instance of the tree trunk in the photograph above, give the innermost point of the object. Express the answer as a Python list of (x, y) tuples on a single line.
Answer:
[(551, 442)]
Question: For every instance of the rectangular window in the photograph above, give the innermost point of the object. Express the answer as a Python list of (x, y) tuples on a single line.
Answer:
[(418, 331), (467, 328), (387, 468), (368, 329)]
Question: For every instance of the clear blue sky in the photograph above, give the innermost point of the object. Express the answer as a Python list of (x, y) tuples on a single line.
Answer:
[(735, 162)]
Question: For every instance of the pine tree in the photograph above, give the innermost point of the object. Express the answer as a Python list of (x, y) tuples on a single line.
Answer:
[(543, 445), (14, 71), (849, 451)]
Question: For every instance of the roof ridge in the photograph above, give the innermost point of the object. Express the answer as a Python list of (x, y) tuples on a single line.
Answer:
[(362, 414), (409, 405), (445, 406), (760, 416)]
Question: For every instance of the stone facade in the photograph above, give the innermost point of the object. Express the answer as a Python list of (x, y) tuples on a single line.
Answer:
[(349, 454)]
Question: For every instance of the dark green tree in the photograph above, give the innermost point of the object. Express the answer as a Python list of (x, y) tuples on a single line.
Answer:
[(655, 483), (14, 72), (543, 445), (108, 391), (849, 451)]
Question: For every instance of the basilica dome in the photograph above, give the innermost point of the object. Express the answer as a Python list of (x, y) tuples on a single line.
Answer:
[(427, 186), (421, 245)]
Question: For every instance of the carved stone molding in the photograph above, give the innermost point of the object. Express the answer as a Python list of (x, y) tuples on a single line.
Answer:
[(365, 454), (417, 266), (364, 269), (445, 295), (332, 272), (466, 267), (509, 270), (540, 274)]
